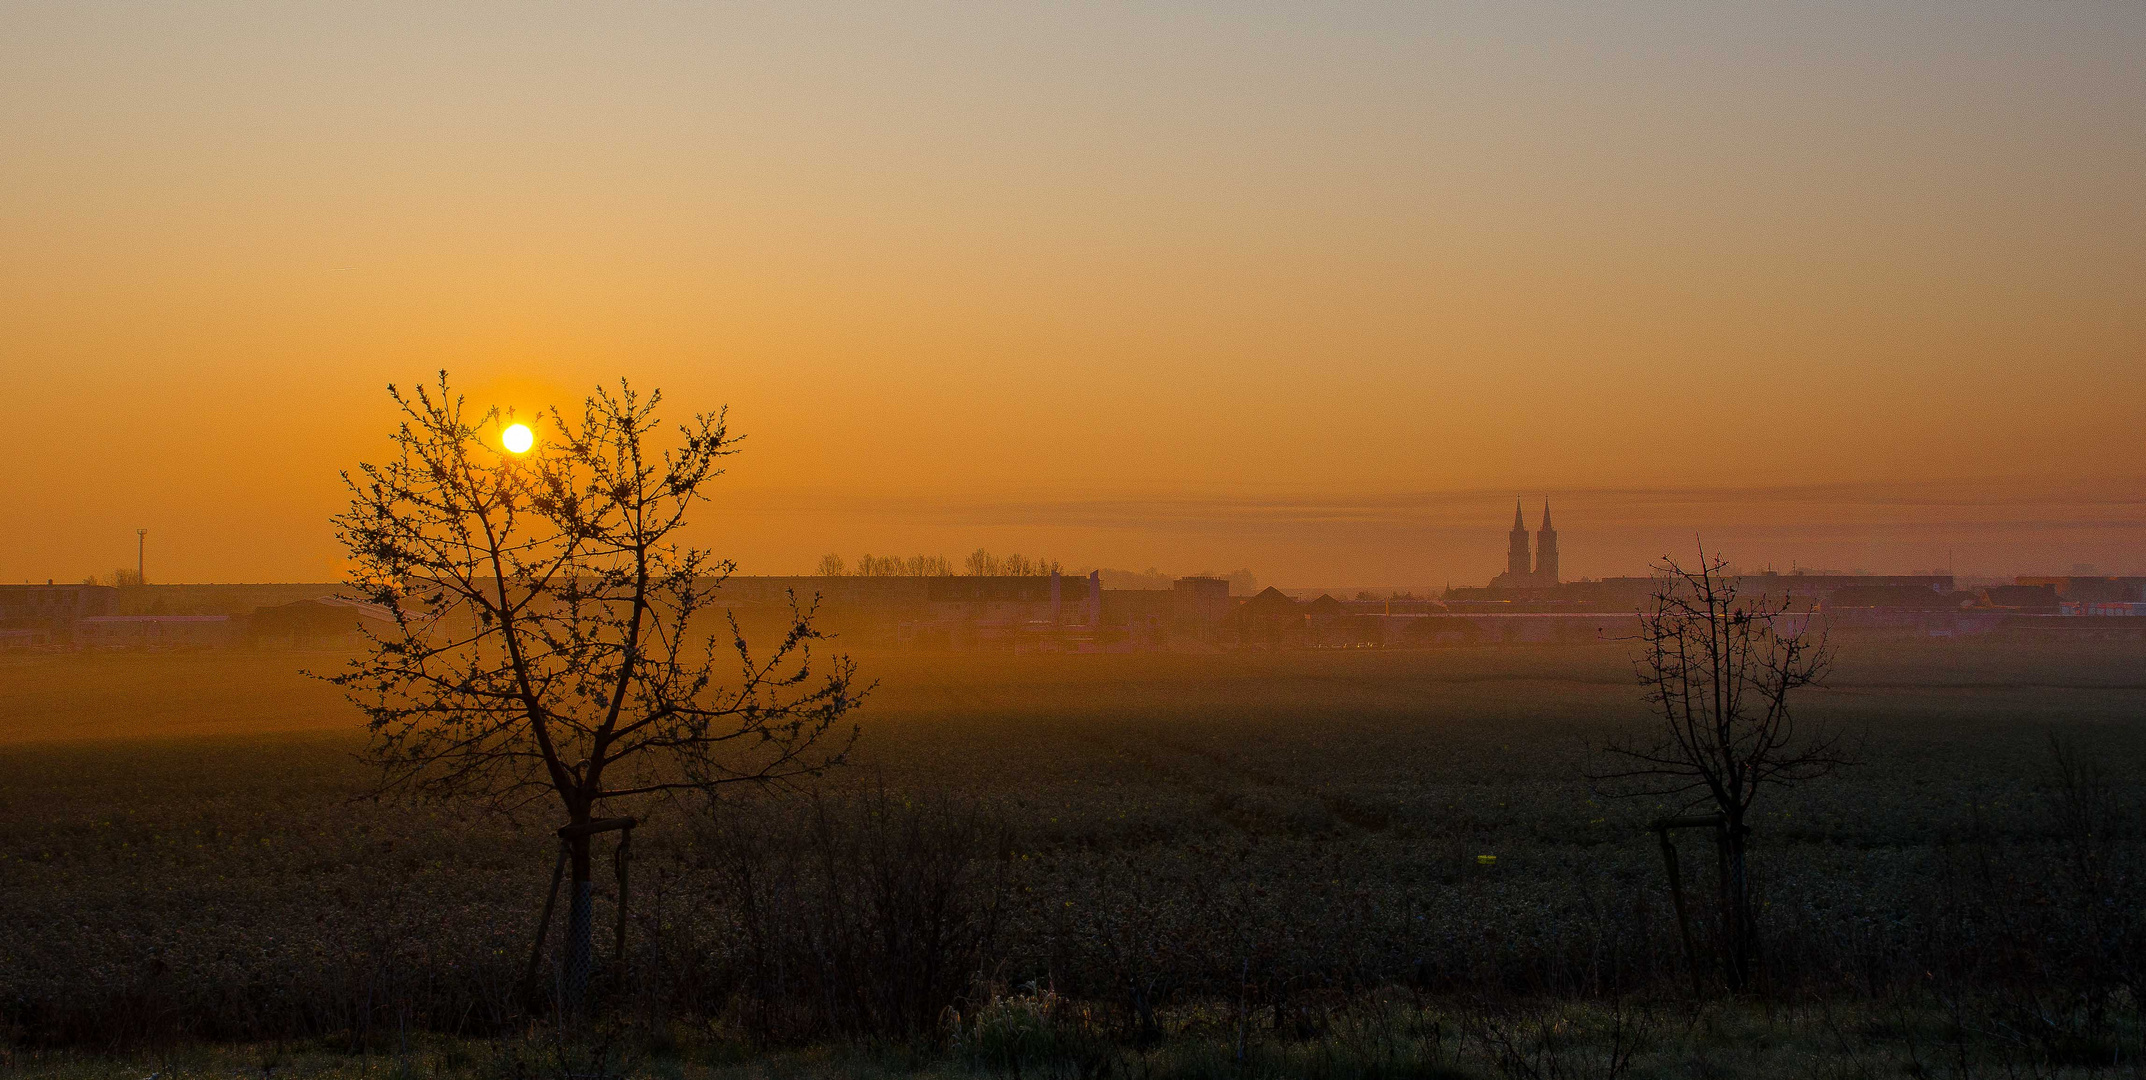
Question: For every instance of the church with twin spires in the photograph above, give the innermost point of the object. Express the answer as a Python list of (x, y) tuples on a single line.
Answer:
[(1520, 571)]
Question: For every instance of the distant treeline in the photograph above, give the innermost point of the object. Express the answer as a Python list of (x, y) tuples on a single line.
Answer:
[(982, 563)]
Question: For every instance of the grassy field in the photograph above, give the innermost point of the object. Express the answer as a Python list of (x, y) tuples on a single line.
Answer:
[(186, 853)]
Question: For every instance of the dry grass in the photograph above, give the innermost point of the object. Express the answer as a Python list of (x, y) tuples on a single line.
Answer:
[(1598, 1041)]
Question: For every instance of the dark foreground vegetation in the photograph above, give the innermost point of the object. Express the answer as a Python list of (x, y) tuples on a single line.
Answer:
[(1314, 864)]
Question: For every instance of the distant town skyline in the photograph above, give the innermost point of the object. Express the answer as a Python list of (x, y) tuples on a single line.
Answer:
[(1408, 541)]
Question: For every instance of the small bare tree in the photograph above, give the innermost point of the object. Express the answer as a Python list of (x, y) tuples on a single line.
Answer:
[(552, 639), (1719, 669)]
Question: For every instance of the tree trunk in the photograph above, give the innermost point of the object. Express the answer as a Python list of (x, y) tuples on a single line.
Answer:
[(1737, 915), (580, 918)]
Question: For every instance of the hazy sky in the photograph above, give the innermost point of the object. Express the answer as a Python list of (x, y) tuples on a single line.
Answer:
[(1310, 288)]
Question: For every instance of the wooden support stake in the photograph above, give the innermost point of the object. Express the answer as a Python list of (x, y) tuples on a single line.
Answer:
[(591, 828), (536, 949), (624, 827), (1676, 884), (1676, 899), (618, 859)]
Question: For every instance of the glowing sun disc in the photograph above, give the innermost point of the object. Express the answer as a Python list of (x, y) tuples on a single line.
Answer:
[(517, 438)]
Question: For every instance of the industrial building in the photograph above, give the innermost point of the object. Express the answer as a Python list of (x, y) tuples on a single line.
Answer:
[(49, 615)]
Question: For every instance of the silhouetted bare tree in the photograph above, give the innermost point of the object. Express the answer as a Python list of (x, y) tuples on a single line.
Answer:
[(832, 566), (545, 644), (897, 566), (981, 563), (1719, 669), (927, 566)]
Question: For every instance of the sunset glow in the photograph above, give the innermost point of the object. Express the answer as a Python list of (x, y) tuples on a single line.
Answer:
[(517, 438), (1312, 290)]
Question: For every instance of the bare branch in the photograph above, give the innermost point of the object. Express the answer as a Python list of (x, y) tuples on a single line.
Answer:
[(549, 634)]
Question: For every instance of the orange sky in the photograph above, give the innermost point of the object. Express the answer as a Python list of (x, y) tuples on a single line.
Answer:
[(1170, 285)]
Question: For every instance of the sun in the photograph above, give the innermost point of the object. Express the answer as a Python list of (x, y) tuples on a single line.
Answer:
[(517, 438)]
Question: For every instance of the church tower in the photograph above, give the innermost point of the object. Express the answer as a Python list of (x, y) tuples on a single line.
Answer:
[(1516, 550), (1546, 550)]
